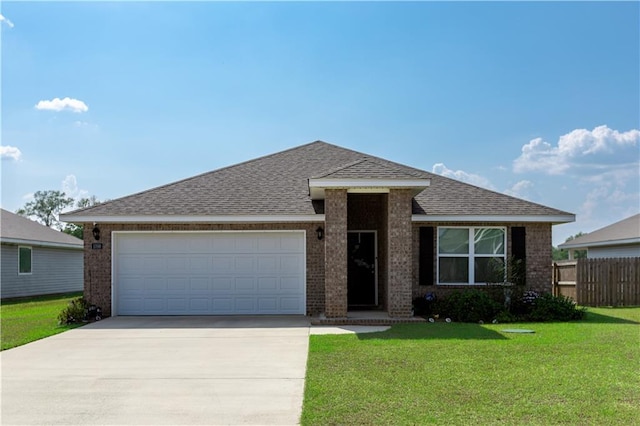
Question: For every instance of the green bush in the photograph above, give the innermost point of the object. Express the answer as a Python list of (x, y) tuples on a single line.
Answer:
[(75, 312), (548, 307), (469, 306)]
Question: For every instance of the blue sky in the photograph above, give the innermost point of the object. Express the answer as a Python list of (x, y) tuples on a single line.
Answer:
[(537, 100)]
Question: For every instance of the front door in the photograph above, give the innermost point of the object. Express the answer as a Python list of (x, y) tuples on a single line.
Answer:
[(362, 270)]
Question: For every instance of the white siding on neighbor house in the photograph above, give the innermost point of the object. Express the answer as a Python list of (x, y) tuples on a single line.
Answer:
[(632, 250), (53, 270)]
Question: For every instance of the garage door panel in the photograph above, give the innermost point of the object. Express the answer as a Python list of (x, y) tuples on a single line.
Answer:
[(176, 305), (199, 305), (289, 304), (267, 284), (177, 284), (245, 305), (177, 264), (198, 244), (291, 244), (268, 305), (153, 304), (245, 264), (243, 285), (223, 264), (222, 305), (268, 264), (155, 285), (291, 263), (221, 284), (209, 273), (199, 265), (199, 285)]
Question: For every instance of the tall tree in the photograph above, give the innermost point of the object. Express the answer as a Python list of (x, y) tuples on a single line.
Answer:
[(46, 207)]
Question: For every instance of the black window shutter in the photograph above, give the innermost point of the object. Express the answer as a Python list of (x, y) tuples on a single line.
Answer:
[(518, 245), (426, 255)]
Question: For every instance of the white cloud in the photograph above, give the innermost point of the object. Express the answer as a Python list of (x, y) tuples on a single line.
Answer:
[(477, 180), (580, 151), (71, 189), (521, 189), (10, 153), (607, 200), (57, 104), (7, 22), (28, 197), (80, 123)]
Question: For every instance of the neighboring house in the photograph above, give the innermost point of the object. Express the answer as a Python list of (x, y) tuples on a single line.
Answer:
[(36, 259), (317, 229), (621, 239)]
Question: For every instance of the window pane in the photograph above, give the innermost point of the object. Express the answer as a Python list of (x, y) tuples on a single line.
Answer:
[(453, 240), (489, 241), (489, 269), (25, 260), (454, 270)]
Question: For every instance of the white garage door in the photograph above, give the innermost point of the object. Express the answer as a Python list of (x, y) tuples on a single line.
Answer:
[(209, 273)]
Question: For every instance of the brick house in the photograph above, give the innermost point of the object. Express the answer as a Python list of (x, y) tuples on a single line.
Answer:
[(317, 229)]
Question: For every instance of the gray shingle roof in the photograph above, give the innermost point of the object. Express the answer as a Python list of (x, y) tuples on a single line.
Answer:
[(370, 169), (17, 228), (625, 230), (277, 184)]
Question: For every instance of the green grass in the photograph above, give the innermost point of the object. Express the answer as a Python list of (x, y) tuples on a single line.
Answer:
[(584, 372), (25, 320)]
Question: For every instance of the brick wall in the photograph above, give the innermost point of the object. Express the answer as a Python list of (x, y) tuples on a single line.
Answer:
[(538, 262), (97, 271), (400, 253), (335, 283)]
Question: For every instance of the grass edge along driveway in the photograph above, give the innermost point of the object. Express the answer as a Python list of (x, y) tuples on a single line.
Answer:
[(566, 373), (28, 319)]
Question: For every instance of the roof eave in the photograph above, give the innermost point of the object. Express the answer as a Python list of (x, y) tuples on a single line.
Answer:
[(553, 219), (191, 218), (35, 243), (626, 241)]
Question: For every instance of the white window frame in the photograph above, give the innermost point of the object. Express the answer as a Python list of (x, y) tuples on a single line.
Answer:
[(30, 260), (471, 256)]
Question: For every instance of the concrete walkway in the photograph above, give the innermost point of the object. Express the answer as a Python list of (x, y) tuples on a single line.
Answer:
[(160, 371)]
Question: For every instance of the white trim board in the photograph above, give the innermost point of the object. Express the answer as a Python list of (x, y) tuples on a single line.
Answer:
[(190, 219), (19, 241), (494, 218)]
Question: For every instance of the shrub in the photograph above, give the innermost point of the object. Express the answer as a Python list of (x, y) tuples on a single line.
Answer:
[(522, 302), (506, 316), (548, 307), (469, 306), (424, 305), (75, 312)]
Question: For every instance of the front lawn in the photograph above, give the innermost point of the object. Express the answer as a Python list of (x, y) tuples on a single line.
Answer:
[(450, 373), (25, 320)]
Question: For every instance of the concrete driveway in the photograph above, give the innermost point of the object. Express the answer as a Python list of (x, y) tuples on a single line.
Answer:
[(159, 371)]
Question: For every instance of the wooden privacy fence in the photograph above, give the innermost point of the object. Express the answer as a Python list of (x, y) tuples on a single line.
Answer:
[(599, 282)]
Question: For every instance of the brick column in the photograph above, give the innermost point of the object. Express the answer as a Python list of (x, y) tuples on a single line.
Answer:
[(335, 255), (400, 253), (538, 246)]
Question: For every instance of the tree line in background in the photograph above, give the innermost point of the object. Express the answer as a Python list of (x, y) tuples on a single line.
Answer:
[(561, 254), (46, 207)]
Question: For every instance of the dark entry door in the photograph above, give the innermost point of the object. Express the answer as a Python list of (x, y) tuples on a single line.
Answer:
[(361, 278)]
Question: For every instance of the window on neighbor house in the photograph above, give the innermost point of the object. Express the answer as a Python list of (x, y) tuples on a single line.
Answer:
[(24, 260), (471, 255)]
